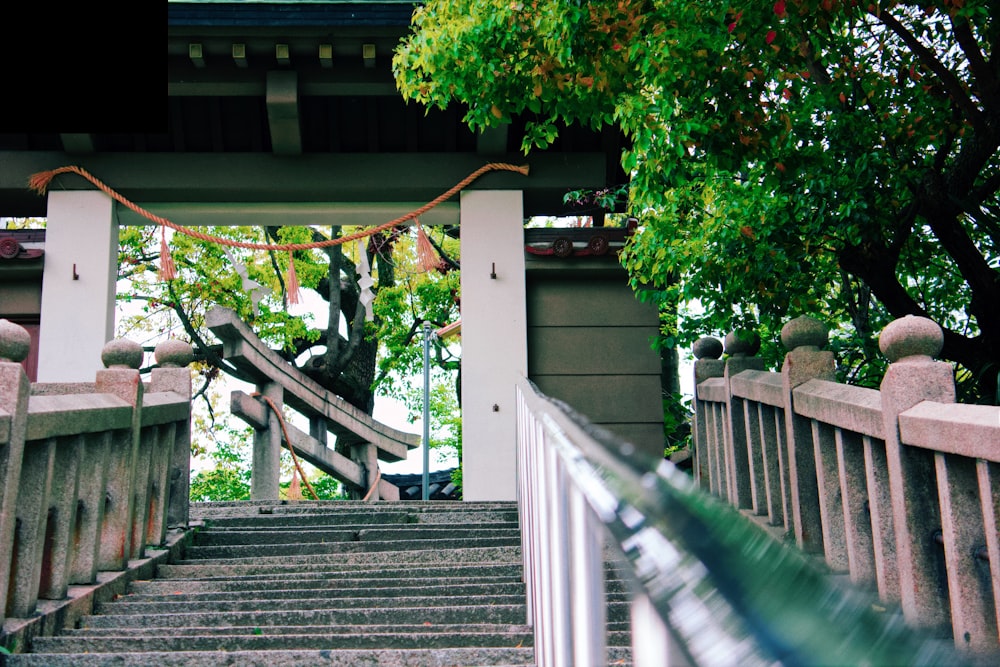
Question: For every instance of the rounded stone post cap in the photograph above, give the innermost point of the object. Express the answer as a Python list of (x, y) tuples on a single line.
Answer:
[(15, 341), (707, 348), (122, 353), (173, 354), (804, 331), (742, 343), (911, 336)]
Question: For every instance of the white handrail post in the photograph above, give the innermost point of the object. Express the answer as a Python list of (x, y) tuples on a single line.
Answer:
[(587, 581)]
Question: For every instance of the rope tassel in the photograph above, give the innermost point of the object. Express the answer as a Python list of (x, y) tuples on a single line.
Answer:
[(429, 259), (168, 270), (292, 282)]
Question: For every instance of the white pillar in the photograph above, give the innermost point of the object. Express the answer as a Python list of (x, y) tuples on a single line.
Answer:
[(78, 285), (494, 340)]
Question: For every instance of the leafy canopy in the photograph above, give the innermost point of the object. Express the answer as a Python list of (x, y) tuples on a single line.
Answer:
[(826, 157)]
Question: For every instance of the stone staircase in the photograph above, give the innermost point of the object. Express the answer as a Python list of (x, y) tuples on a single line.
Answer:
[(327, 583)]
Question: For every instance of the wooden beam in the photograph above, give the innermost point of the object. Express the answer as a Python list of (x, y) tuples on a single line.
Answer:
[(283, 112), (251, 178)]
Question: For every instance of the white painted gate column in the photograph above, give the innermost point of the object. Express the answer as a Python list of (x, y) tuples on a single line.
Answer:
[(494, 340), (78, 285)]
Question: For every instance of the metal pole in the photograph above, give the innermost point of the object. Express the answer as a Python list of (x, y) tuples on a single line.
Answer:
[(427, 410)]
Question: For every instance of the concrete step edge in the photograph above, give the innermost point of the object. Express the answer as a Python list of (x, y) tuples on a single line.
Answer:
[(463, 657)]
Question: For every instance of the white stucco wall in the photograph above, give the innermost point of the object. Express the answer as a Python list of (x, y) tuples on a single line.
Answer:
[(77, 316), (494, 340)]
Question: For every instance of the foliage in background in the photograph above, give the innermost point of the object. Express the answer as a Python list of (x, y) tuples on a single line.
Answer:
[(229, 476), (822, 157), (445, 423), (378, 355)]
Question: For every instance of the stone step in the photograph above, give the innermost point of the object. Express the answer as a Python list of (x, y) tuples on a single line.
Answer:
[(349, 533), (419, 657), (251, 564), (328, 583), (339, 569), (168, 587), (124, 605), (312, 518), (400, 589), (305, 548), (515, 613), (444, 657), (199, 630), (621, 628), (268, 642), (453, 614)]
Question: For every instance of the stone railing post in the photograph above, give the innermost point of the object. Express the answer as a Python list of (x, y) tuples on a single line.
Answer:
[(173, 357), (707, 365), (14, 391), (120, 378), (264, 476), (910, 344), (804, 337), (740, 348)]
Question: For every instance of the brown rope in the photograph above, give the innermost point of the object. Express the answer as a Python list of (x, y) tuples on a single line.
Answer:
[(40, 181), (288, 441), (378, 476)]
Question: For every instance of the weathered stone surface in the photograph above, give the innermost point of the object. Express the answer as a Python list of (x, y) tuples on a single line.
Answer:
[(121, 353), (174, 354), (15, 342), (911, 336), (742, 343), (707, 348), (804, 331)]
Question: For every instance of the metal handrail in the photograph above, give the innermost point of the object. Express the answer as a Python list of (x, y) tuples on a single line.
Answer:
[(708, 586)]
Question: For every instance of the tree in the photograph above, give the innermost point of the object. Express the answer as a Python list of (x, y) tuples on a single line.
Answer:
[(827, 157), (351, 354)]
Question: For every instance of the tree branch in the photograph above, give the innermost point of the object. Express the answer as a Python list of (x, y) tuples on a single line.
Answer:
[(988, 83), (210, 355), (951, 82)]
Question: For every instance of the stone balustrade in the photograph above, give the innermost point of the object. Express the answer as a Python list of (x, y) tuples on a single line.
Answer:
[(898, 487), (91, 474)]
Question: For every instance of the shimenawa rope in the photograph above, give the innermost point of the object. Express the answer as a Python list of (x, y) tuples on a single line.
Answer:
[(40, 182)]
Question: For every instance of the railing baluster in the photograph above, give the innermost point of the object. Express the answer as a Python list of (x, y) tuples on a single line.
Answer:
[(831, 507), (880, 509), (89, 513), (756, 458), (32, 522), (156, 524), (854, 495), (988, 478), (973, 616), (771, 453), (63, 501), (784, 477)]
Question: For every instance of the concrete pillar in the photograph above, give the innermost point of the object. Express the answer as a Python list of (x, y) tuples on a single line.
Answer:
[(120, 378), (803, 337), (14, 391), (173, 374), (78, 285), (910, 344), (494, 340)]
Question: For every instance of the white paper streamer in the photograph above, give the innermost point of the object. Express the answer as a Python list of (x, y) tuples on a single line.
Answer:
[(365, 282)]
